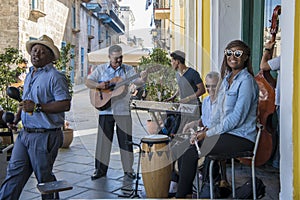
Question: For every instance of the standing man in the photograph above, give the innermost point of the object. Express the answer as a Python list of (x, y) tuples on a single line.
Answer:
[(45, 99), (267, 64), (118, 113), (190, 84)]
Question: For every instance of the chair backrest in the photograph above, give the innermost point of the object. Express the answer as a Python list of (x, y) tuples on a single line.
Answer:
[(247, 160)]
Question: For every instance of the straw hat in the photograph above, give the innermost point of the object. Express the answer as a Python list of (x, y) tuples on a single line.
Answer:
[(44, 40)]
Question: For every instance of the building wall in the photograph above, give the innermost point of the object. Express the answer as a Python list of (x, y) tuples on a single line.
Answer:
[(296, 102), (289, 156), (86, 43), (9, 24), (53, 24)]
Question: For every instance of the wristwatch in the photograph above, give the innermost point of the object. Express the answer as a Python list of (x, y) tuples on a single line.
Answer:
[(38, 108)]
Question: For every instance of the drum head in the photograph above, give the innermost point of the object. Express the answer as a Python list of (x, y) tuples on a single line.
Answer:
[(155, 139)]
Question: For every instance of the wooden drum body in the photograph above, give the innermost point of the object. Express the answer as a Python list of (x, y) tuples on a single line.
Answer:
[(156, 165)]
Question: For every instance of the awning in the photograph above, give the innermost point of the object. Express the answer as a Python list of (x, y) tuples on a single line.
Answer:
[(131, 56)]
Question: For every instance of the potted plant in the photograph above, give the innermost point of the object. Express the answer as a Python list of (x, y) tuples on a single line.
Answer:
[(10, 68), (63, 65)]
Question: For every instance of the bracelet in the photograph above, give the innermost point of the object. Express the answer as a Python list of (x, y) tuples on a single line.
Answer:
[(267, 49)]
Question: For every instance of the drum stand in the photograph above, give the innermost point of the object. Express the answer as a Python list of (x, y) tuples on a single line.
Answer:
[(134, 194)]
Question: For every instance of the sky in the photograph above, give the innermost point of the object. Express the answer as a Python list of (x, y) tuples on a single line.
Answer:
[(141, 27)]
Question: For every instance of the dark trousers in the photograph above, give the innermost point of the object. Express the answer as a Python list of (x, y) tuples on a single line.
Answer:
[(105, 137), (224, 143)]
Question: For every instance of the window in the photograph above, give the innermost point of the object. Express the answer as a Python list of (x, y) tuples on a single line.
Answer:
[(37, 5), (72, 63), (73, 16), (81, 61), (36, 10)]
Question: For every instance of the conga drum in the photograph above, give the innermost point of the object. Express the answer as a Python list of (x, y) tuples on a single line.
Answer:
[(156, 165)]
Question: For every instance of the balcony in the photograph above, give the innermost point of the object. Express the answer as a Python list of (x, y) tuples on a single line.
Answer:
[(110, 18), (161, 13), (36, 14)]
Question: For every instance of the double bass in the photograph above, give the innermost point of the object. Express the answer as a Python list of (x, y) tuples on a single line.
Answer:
[(266, 104)]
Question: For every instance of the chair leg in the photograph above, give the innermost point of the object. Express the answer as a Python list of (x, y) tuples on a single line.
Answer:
[(253, 178), (232, 177), (198, 183), (211, 179)]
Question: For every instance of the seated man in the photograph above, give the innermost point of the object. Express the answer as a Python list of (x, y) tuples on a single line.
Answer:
[(211, 80)]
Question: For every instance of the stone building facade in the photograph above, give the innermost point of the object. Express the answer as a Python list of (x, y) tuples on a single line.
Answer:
[(75, 22)]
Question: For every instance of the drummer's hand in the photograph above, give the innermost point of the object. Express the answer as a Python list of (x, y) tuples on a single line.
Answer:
[(172, 135)]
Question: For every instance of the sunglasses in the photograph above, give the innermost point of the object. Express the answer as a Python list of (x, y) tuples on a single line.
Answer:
[(236, 53), (118, 58), (211, 86)]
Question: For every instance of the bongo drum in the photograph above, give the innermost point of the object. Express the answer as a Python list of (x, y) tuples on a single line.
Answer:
[(156, 165)]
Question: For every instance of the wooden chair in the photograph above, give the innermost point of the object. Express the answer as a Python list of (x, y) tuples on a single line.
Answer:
[(246, 154), (54, 187)]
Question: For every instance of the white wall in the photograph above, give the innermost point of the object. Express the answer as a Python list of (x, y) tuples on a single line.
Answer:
[(286, 97), (226, 21)]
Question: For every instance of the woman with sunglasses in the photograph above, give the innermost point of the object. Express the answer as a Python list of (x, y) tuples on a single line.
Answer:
[(233, 123)]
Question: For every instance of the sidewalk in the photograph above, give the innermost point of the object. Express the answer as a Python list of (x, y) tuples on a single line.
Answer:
[(76, 164)]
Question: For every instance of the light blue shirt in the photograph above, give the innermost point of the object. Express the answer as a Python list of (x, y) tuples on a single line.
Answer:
[(46, 86), (236, 108), (275, 66), (207, 107), (105, 72)]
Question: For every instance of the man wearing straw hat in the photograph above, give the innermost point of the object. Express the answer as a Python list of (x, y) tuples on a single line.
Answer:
[(45, 99)]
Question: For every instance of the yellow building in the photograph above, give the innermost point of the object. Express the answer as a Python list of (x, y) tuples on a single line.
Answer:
[(203, 28)]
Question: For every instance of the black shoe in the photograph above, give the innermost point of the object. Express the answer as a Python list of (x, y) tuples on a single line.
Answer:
[(97, 174), (131, 175)]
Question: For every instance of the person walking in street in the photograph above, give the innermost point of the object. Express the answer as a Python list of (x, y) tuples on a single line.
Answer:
[(117, 113), (45, 99)]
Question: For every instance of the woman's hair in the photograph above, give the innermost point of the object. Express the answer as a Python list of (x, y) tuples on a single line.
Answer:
[(225, 69)]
